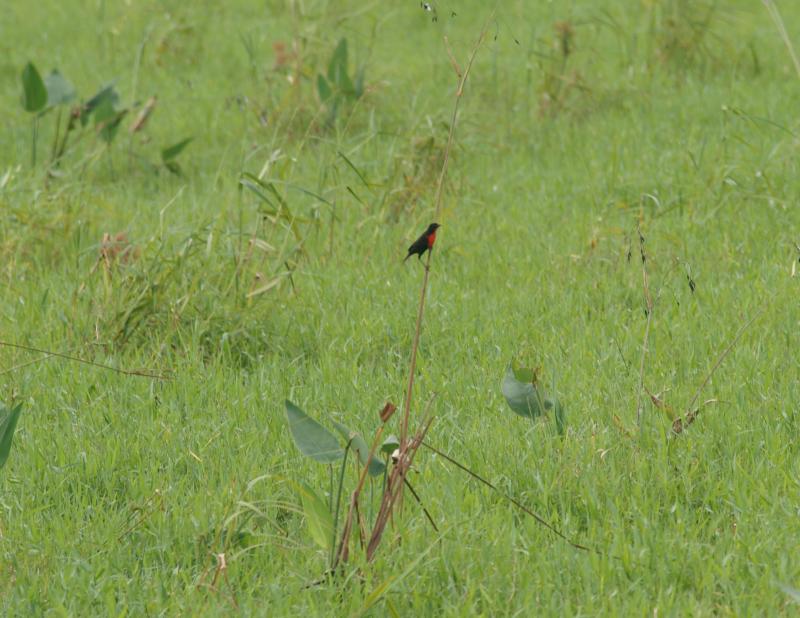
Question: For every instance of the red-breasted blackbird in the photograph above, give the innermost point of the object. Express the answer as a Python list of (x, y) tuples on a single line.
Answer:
[(423, 243)]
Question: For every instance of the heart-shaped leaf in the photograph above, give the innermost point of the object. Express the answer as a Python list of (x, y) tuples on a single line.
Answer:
[(107, 93), (376, 466), (525, 398), (34, 93), (390, 445), (8, 423), (522, 396), (59, 90), (311, 438), (107, 119)]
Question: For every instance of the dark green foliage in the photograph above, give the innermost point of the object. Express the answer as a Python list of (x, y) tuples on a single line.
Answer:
[(357, 442), (169, 154), (8, 423), (59, 90), (311, 438), (34, 92), (526, 398), (339, 86)]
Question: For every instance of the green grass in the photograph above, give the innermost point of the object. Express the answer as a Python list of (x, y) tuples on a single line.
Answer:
[(119, 490)]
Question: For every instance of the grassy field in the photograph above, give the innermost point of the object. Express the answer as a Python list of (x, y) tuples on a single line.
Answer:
[(582, 124)]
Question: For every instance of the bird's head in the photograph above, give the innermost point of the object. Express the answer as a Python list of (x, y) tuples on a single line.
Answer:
[(433, 227)]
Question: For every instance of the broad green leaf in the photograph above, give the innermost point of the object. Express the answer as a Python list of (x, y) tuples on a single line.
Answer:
[(523, 374), (337, 69), (59, 90), (526, 399), (311, 438), (323, 89), (8, 423), (107, 93), (107, 119), (109, 128), (173, 167), (173, 151), (357, 442), (390, 444), (34, 93), (318, 518)]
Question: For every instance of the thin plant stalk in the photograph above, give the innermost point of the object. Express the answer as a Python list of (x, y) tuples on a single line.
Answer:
[(34, 139), (649, 309), (341, 554), (55, 139), (394, 490), (727, 351), (438, 203), (513, 501), (772, 9), (338, 501)]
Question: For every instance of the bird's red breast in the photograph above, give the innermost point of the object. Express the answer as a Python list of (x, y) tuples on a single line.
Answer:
[(431, 239)]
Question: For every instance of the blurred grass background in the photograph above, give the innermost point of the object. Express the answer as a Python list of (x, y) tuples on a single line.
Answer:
[(580, 121)]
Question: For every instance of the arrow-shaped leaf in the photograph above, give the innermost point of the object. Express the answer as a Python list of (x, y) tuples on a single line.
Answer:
[(376, 466), (311, 438), (34, 93)]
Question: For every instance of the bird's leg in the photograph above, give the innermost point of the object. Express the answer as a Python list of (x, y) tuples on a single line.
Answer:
[(419, 258)]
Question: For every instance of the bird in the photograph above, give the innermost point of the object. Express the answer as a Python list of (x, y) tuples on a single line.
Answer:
[(423, 243)]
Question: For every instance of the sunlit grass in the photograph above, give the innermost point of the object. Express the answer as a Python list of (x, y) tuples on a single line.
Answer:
[(120, 491)]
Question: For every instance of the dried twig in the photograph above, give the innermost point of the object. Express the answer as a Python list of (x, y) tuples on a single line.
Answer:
[(342, 552), (678, 425), (394, 487), (422, 506), (452, 58), (649, 311), (126, 372), (513, 501), (727, 351)]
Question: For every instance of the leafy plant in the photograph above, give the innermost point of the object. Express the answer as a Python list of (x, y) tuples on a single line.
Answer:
[(59, 90), (103, 110), (169, 154), (311, 438), (34, 100), (338, 86), (317, 443), (8, 423), (318, 518), (524, 397)]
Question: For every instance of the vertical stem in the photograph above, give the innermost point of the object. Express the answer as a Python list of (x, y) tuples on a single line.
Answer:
[(55, 139), (438, 202), (330, 486), (338, 503), (241, 232), (414, 347), (137, 63), (33, 139), (333, 222), (649, 309)]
